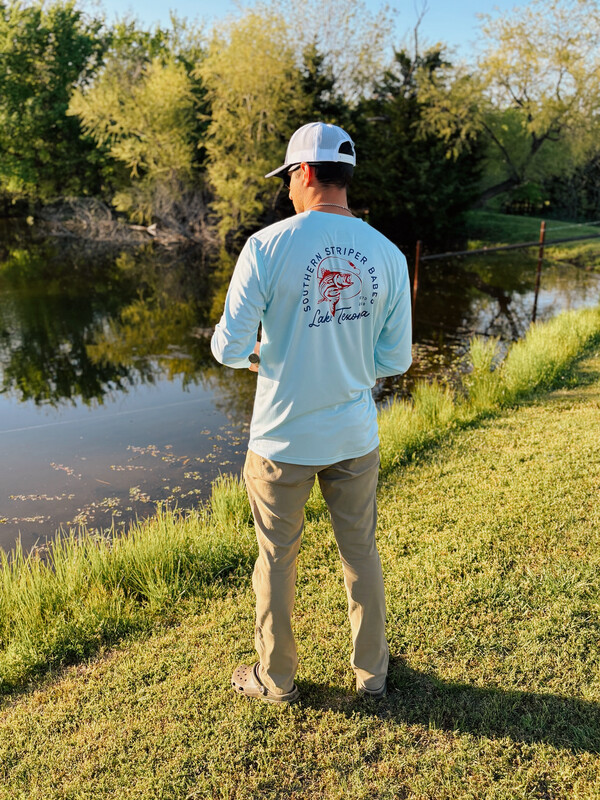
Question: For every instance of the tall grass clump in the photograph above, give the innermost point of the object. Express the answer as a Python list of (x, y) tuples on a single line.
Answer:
[(405, 426), (483, 383), (540, 361), (229, 506), (86, 590)]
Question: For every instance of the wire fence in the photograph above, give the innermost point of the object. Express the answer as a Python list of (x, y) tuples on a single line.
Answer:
[(540, 243)]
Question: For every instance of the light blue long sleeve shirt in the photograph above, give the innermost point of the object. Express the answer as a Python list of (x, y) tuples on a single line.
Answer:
[(333, 297)]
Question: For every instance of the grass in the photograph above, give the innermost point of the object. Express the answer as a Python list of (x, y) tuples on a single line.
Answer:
[(539, 361), (88, 591), (61, 604), (486, 228), (490, 542), (494, 227)]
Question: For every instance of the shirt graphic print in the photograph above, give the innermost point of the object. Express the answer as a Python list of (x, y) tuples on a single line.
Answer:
[(338, 279)]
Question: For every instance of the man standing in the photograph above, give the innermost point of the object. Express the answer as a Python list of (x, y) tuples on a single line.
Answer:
[(333, 298)]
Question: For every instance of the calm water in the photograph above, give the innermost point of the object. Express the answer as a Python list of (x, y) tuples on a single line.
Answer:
[(111, 402)]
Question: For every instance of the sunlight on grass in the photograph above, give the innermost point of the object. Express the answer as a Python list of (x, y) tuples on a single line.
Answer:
[(490, 544), (539, 362), (61, 604)]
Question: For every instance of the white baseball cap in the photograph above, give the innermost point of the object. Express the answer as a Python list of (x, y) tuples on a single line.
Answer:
[(316, 142)]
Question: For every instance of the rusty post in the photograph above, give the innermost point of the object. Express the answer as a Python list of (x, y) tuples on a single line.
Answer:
[(538, 275), (416, 280)]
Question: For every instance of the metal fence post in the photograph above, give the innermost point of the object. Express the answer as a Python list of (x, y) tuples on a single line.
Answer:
[(416, 280), (538, 274)]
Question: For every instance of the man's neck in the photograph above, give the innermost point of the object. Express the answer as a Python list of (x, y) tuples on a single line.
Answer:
[(330, 202)]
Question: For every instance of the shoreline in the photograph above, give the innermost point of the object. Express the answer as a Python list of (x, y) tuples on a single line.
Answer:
[(90, 591), (491, 553)]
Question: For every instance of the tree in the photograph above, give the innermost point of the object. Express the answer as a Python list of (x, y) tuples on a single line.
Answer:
[(253, 87), (354, 43), (535, 89), (576, 195), (318, 85), (145, 125), (405, 181), (143, 110), (46, 51)]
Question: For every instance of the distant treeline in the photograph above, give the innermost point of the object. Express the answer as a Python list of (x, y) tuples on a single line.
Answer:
[(176, 126)]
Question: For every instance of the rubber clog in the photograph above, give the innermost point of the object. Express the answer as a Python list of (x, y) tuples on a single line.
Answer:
[(374, 694), (245, 681)]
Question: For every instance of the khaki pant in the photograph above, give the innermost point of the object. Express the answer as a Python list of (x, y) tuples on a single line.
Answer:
[(278, 493)]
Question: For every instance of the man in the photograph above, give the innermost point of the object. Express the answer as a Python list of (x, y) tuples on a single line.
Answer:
[(333, 298)]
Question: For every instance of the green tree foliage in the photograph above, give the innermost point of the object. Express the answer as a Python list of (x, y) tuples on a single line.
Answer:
[(535, 91), (253, 86), (145, 126), (405, 180), (324, 102), (159, 122), (576, 195), (318, 84), (45, 51), (143, 109)]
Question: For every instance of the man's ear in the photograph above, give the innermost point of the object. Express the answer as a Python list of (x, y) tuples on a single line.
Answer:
[(308, 174)]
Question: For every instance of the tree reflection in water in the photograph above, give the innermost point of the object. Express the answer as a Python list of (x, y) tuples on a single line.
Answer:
[(487, 295), (51, 308), (90, 327), (76, 328)]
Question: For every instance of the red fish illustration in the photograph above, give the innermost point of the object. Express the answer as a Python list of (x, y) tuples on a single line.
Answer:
[(338, 280)]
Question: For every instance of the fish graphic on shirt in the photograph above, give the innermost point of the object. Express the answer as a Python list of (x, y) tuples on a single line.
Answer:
[(339, 279)]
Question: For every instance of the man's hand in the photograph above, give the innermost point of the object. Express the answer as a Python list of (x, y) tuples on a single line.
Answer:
[(254, 366)]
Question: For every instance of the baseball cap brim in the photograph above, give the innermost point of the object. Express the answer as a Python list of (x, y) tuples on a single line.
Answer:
[(279, 171)]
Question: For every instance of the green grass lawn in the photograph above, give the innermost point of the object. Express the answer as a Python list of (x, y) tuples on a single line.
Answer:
[(494, 227), (487, 228), (490, 541)]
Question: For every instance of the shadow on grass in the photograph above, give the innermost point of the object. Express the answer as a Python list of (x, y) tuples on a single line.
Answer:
[(528, 717), (416, 698)]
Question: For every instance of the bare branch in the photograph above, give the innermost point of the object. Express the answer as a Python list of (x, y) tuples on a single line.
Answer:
[(421, 8)]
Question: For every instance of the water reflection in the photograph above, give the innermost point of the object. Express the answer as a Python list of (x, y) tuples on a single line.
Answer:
[(485, 295), (110, 399), (75, 328)]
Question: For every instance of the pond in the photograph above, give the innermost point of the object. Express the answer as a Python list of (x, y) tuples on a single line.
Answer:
[(110, 401)]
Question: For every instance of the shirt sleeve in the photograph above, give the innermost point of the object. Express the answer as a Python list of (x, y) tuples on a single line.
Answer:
[(393, 350), (235, 335)]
